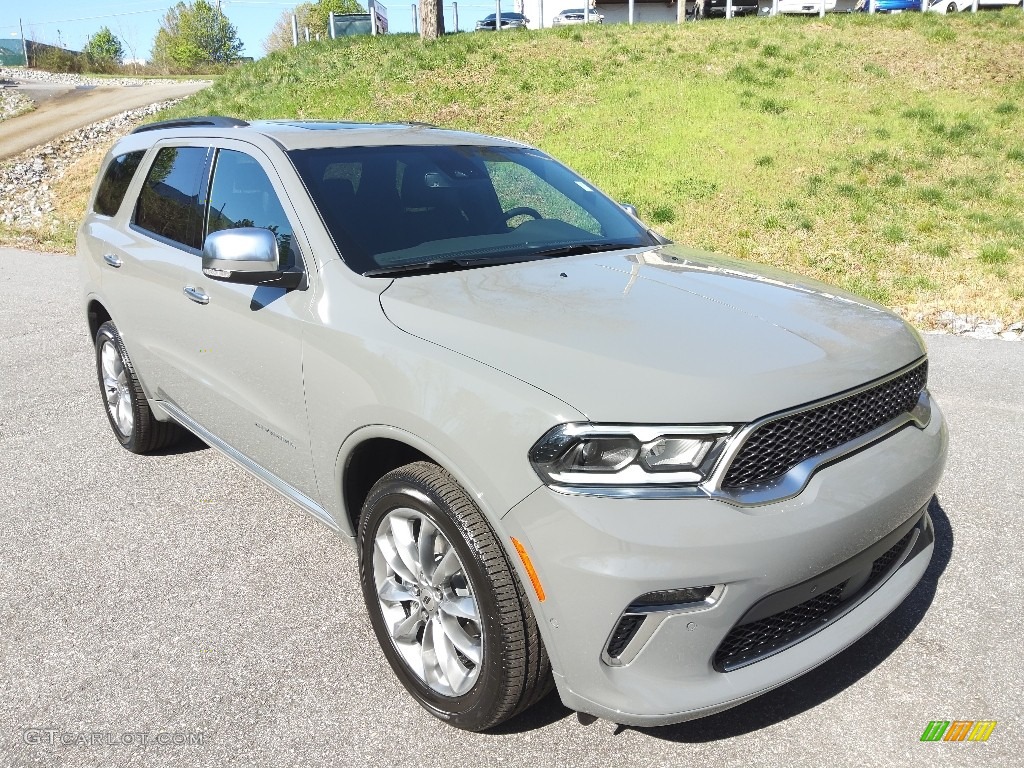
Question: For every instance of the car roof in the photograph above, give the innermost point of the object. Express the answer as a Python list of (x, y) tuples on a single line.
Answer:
[(308, 134)]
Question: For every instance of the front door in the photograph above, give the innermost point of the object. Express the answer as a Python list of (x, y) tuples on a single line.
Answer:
[(243, 343)]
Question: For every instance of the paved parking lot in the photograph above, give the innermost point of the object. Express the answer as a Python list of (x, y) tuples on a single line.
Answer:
[(174, 594)]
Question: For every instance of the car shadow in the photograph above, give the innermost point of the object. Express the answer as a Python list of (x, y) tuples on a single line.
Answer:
[(188, 443), (807, 691)]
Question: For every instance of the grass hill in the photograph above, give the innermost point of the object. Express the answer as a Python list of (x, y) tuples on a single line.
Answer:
[(884, 154)]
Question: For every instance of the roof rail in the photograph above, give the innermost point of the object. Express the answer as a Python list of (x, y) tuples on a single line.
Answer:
[(214, 121)]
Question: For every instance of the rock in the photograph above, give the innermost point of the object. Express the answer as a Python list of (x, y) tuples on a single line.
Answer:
[(13, 103), (1009, 336), (981, 333), (993, 326)]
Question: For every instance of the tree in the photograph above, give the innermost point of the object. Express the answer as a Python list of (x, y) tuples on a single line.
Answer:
[(194, 34), (313, 15), (104, 47), (431, 19)]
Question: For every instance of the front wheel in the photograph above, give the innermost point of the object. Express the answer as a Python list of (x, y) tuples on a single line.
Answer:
[(951, 8), (444, 602)]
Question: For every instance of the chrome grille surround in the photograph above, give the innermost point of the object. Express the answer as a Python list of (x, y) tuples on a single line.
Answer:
[(910, 411), (778, 445)]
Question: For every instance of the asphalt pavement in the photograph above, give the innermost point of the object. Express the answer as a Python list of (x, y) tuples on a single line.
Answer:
[(176, 595)]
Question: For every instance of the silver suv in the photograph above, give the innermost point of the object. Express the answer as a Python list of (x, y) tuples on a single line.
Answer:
[(569, 452)]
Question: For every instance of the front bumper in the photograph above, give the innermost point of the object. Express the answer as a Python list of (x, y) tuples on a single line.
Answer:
[(597, 555)]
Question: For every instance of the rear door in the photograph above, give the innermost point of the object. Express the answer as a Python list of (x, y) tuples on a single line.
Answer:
[(144, 257)]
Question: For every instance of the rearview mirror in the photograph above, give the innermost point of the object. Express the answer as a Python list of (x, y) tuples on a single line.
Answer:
[(246, 255)]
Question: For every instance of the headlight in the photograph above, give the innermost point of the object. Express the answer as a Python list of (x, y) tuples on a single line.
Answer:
[(629, 457)]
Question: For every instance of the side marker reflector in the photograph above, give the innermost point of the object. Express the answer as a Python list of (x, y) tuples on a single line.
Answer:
[(530, 570)]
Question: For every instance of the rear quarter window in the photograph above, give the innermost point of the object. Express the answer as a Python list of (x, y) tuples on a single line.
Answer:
[(115, 182)]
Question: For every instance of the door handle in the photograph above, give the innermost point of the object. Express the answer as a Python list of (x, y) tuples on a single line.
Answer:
[(112, 260), (196, 294)]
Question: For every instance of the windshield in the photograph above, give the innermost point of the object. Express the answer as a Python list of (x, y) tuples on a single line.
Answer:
[(399, 209)]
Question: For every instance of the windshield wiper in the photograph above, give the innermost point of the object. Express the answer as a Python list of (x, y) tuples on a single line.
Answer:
[(438, 265), (576, 249), (449, 264)]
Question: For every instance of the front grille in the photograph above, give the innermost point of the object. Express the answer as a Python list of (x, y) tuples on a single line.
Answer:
[(747, 643), (777, 446)]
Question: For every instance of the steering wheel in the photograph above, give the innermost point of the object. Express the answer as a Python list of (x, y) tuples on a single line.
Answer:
[(522, 210)]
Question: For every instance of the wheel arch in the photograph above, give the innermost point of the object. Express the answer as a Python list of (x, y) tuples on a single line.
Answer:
[(97, 315), (372, 452)]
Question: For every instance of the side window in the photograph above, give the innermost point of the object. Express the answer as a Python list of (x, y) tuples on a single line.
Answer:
[(517, 186), (242, 196), (169, 204), (115, 182)]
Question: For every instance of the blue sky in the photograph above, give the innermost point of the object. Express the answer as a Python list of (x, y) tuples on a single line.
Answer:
[(135, 22)]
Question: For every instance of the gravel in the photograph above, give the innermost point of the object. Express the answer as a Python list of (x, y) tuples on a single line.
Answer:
[(65, 78), (13, 104), (971, 326), (27, 180)]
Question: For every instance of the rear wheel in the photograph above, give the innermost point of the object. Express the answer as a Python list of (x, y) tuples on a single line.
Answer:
[(951, 8), (444, 602), (127, 410)]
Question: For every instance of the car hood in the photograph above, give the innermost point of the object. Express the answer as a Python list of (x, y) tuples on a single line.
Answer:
[(668, 335)]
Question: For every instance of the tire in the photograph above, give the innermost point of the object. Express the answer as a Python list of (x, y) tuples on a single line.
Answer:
[(463, 640), (125, 403), (951, 8)]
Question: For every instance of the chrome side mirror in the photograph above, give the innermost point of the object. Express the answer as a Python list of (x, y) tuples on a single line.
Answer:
[(246, 255)]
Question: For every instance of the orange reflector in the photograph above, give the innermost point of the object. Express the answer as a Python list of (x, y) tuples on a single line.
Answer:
[(531, 572)]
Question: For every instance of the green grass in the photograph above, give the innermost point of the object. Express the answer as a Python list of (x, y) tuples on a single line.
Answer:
[(837, 148)]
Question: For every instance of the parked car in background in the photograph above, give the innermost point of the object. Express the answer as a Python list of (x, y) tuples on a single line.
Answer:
[(569, 453), (508, 21), (718, 7), (577, 16), (897, 6), (807, 7), (950, 6)]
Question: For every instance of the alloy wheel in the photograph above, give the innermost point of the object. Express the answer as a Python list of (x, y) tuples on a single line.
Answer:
[(427, 602)]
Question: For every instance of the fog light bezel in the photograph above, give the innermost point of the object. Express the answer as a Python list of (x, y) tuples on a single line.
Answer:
[(653, 615)]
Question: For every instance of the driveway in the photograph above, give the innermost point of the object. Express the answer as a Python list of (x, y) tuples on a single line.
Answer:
[(176, 594), (62, 110)]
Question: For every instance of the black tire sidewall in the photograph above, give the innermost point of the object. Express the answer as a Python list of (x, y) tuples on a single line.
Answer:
[(108, 332), (473, 710)]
